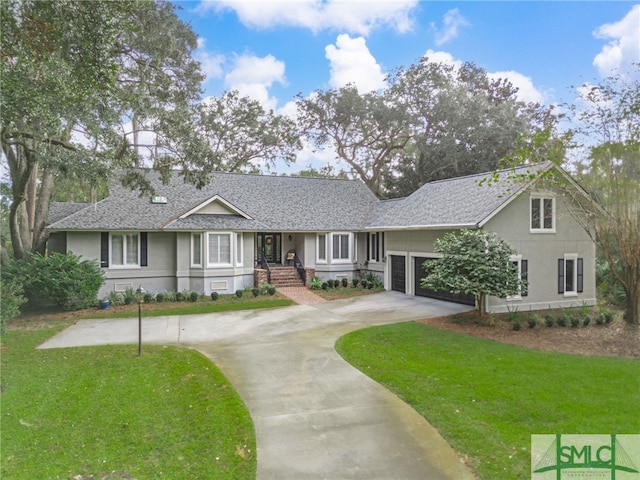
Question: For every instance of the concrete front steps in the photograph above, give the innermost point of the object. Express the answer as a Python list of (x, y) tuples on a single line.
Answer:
[(285, 277)]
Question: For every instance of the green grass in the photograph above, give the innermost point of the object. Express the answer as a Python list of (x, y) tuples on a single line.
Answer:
[(103, 410), (187, 308), (487, 398)]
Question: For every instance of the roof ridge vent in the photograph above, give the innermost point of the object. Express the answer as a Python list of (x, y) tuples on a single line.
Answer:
[(159, 199)]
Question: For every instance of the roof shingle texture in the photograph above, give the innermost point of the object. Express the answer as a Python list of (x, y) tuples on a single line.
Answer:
[(273, 203)]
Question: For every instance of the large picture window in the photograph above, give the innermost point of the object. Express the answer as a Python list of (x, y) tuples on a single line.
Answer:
[(543, 214), (125, 250), (219, 249), (341, 246)]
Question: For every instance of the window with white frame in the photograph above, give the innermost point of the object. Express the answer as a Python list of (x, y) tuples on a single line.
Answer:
[(196, 249), (219, 249), (239, 250), (522, 267), (341, 246), (125, 249), (570, 274), (322, 248), (543, 215), (375, 246)]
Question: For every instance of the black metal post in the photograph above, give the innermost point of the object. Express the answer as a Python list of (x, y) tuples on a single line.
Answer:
[(139, 328)]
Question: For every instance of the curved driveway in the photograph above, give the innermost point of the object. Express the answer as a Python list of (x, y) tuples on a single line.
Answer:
[(315, 416)]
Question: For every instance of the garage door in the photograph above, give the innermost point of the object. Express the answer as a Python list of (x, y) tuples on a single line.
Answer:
[(420, 273), (398, 273)]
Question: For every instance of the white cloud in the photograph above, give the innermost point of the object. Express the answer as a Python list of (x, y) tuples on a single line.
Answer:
[(353, 16), (211, 63), (624, 47), (527, 92), (451, 23), (352, 62), (253, 76)]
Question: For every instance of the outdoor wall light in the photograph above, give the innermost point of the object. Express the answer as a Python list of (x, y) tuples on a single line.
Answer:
[(290, 238)]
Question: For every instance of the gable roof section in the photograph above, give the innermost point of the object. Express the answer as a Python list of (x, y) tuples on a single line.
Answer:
[(462, 202), (269, 203), (218, 201)]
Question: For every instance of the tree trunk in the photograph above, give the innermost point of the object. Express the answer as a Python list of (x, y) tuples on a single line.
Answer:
[(41, 213), (31, 200), (480, 303), (632, 310)]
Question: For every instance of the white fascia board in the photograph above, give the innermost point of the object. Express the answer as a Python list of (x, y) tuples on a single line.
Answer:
[(216, 198)]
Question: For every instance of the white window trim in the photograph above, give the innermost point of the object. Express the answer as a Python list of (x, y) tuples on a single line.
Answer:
[(239, 241), (349, 248), (518, 296), (542, 198), (326, 241), (373, 246), (124, 250), (193, 235), (231, 251), (574, 257)]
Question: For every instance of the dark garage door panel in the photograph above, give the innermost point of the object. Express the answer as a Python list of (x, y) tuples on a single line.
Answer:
[(398, 273), (420, 273)]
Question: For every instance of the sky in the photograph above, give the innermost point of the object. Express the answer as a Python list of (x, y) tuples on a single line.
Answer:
[(275, 50)]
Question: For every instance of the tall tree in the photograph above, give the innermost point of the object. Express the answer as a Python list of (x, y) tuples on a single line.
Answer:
[(368, 131), (609, 115), (80, 82), (463, 122)]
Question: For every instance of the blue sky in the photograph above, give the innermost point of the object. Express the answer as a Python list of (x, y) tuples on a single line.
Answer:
[(273, 50)]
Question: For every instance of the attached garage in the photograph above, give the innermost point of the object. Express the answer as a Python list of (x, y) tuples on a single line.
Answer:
[(398, 273), (420, 272)]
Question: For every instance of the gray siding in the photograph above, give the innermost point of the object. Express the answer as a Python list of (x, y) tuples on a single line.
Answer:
[(542, 250)]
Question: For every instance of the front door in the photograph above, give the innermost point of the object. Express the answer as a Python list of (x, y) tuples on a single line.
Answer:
[(269, 245)]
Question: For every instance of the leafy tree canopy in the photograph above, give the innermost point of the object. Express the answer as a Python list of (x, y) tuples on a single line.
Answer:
[(473, 262)]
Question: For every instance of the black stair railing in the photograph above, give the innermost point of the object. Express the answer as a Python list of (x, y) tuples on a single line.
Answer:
[(300, 268), (265, 266)]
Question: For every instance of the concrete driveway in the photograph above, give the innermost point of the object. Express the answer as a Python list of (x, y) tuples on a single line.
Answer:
[(315, 416)]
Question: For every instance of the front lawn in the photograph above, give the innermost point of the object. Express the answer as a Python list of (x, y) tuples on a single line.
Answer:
[(103, 412), (487, 398)]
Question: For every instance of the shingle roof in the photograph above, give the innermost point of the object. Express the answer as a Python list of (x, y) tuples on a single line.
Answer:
[(274, 202), (278, 203), (455, 202)]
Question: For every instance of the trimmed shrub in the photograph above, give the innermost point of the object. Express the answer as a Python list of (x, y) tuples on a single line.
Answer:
[(345, 282), (608, 316), (364, 284), (179, 296), (600, 318), (325, 285), (239, 293), (575, 322), (272, 290), (214, 296), (549, 320), (532, 320), (586, 320), (355, 282), (129, 296), (315, 283), (148, 297), (193, 296), (160, 297), (255, 291), (561, 320), (517, 325)]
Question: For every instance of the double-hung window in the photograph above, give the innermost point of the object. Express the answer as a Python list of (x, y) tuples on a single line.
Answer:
[(522, 267), (239, 250), (543, 214), (196, 250), (322, 248), (219, 249), (125, 250), (341, 246), (570, 274), (375, 246)]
